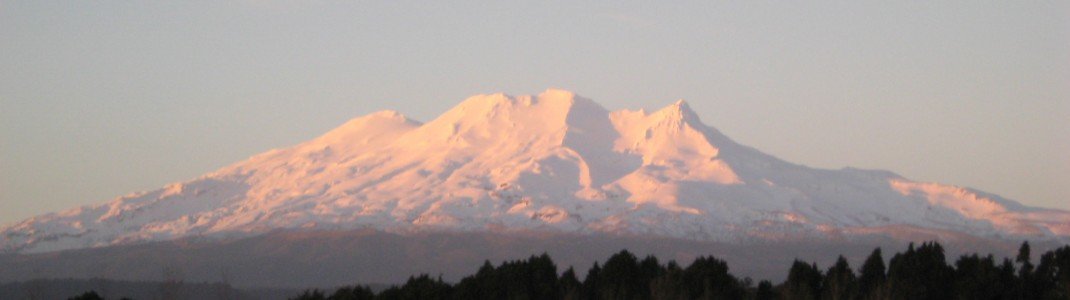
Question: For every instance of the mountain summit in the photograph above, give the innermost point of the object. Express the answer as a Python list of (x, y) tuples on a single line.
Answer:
[(553, 161)]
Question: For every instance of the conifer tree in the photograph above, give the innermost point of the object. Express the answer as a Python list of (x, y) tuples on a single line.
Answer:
[(312, 294), (571, 287), (622, 278), (1026, 289), (1053, 274), (670, 284), (90, 295), (649, 268), (542, 282), (765, 291), (804, 282), (708, 278), (840, 282), (979, 278), (920, 274), (592, 283), (872, 276), (419, 287), (359, 292)]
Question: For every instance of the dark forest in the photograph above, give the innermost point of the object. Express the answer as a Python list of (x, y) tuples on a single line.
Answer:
[(919, 272)]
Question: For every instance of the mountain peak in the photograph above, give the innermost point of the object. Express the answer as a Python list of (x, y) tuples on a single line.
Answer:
[(367, 127), (379, 117), (554, 160), (554, 93), (386, 114), (682, 104), (550, 95), (679, 113), (552, 107)]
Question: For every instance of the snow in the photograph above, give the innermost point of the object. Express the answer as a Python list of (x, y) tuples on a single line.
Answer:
[(553, 161)]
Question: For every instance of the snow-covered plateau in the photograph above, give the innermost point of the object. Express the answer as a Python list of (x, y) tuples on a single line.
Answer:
[(554, 162)]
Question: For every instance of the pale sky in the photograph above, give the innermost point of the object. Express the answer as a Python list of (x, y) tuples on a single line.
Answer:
[(102, 98)]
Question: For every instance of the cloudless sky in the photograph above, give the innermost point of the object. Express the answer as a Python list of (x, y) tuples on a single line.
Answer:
[(102, 98)]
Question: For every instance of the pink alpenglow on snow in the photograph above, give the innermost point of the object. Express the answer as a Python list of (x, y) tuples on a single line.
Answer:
[(553, 161)]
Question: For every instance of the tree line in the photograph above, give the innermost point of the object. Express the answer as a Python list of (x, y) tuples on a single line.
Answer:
[(920, 272)]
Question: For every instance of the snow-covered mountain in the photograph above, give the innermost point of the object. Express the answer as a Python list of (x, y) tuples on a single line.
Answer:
[(554, 162)]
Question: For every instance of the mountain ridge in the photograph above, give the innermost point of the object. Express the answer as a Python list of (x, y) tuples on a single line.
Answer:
[(553, 161)]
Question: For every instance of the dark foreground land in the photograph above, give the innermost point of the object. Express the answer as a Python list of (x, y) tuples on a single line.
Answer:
[(328, 259), (115, 289), (921, 272)]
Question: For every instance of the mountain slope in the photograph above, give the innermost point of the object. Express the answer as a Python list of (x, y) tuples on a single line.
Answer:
[(554, 162)]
